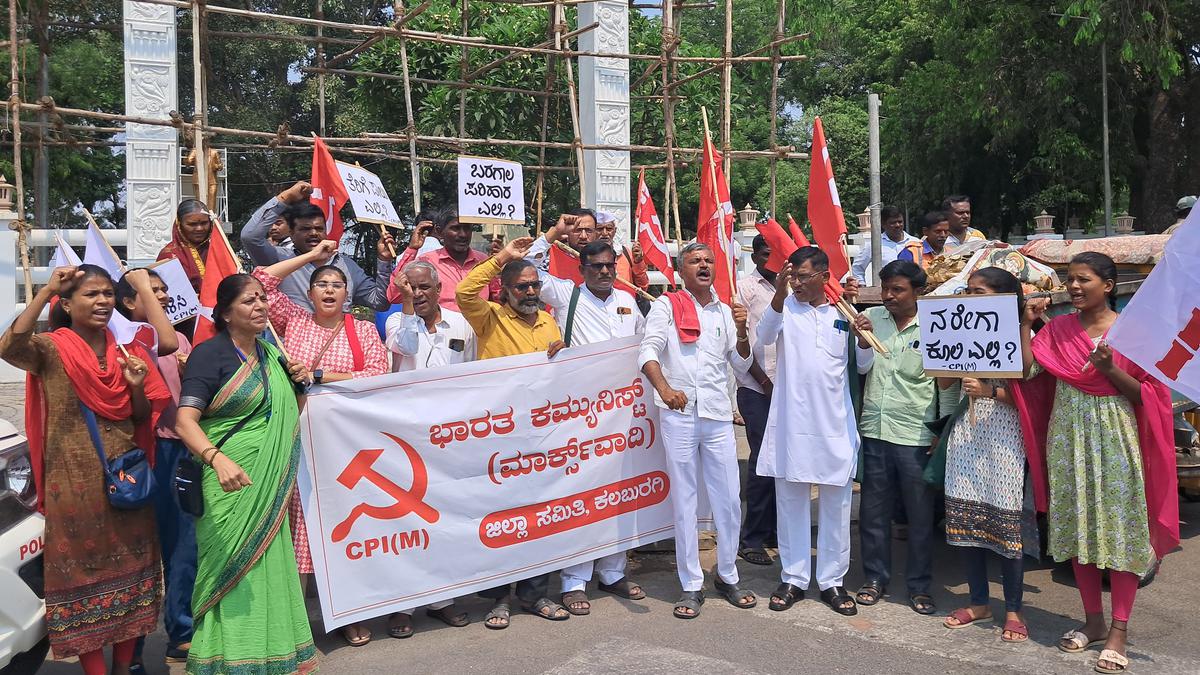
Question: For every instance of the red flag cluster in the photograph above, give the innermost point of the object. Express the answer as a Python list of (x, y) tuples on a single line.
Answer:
[(825, 208), (649, 232), (716, 221)]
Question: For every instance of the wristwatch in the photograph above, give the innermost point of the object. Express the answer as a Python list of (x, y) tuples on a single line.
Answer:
[(318, 375)]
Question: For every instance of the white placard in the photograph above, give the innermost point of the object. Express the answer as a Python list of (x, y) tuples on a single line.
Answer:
[(182, 303), (368, 196), (970, 335), (490, 191), (433, 484)]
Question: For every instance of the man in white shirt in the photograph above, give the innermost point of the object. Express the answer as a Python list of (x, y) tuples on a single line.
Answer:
[(589, 313), (894, 240), (691, 339), (424, 334), (754, 292), (811, 437)]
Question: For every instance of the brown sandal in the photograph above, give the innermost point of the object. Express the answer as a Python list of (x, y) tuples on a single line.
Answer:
[(577, 598)]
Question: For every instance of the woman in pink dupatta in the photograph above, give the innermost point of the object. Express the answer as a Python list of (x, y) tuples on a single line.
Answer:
[(1101, 457)]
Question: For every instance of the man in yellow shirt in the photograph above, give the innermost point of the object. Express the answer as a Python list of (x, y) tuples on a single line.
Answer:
[(519, 326)]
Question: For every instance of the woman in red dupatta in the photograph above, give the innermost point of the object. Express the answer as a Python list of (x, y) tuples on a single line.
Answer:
[(102, 571), (189, 239), (1101, 454)]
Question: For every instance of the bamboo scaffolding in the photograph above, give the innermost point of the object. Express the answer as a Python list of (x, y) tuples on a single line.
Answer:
[(413, 165), (516, 55), (669, 42), (551, 74), (726, 88), (774, 134), (559, 24), (14, 112), (369, 42), (444, 83)]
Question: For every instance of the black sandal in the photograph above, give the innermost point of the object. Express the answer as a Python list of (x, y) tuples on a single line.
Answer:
[(689, 600), (453, 620), (624, 588), (500, 611), (547, 609), (837, 596), (398, 631), (873, 591), (785, 596), (755, 556), (922, 603), (742, 599)]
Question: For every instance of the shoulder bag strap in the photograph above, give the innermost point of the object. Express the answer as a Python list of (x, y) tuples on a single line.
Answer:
[(90, 418), (321, 354), (571, 316)]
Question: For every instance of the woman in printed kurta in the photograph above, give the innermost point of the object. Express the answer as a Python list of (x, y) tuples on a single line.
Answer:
[(332, 345), (1108, 477), (102, 576)]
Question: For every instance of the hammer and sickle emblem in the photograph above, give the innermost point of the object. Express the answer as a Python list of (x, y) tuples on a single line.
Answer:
[(407, 501)]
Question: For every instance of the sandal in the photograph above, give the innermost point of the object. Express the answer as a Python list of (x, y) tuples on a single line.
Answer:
[(572, 598), (1111, 656), (1016, 628), (624, 588), (400, 626), (690, 600), (836, 597), (357, 635), (1078, 641), (870, 593), (453, 620), (785, 596), (965, 618), (922, 603), (547, 609), (500, 612), (755, 556), (742, 599)]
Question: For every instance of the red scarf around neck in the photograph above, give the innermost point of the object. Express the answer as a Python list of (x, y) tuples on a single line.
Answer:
[(104, 391)]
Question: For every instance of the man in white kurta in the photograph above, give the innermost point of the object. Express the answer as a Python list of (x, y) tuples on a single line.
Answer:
[(600, 313), (811, 436), (691, 388)]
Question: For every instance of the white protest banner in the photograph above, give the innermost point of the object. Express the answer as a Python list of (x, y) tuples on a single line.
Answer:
[(970, 335), (182, 302), (433, 484), (368, 196), (490, 191)]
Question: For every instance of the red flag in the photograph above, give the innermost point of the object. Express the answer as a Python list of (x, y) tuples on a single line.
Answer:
[(649, 232), (797, 233), (329, 193), (824, 207), (777, 239), (716, 220), (564, 265), (219, 264)]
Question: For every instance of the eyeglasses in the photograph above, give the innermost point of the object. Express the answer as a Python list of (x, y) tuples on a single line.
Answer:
[(600, 266), (803, 278), (526, 286), (330, 285)]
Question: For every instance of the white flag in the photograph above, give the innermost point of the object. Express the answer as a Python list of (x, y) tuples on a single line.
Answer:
[(64, 255), (99, 253)]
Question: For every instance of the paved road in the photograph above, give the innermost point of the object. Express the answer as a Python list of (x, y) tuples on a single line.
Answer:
[(621, 636)]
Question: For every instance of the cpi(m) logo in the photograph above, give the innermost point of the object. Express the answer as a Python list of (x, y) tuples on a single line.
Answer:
[(406, 501)]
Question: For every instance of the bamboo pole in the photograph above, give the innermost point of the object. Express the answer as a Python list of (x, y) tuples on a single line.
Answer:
[(753, 52), (361, 46), (726, 88), (572, 100), (321, 64), (669, 41), (201, 164), (515, 55), (14, 107), (712, 169), (414, 166), (550, 76), (463, 64), (436, 83), (774, 134)]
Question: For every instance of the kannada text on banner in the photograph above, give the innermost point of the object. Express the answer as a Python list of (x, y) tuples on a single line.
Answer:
[(970, 335), (433, 484), (368, 197), (490, 191)]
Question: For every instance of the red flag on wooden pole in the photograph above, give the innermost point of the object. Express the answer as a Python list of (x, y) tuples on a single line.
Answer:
[(649, 233), (715, 227), (825, 208), (329, 193)]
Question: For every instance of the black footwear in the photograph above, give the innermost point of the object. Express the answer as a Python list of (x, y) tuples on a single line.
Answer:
[(870, 593), (755, 555), (742, 599), (690, 600), (178, 653), (785, 596), (837, 596)]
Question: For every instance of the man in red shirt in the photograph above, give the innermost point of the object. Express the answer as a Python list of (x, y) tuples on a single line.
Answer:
[(453, 261)]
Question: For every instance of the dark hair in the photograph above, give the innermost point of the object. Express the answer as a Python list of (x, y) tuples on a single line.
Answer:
[(512, 270), (444, 217), (903, 268), (58, 314), (932, 218), (889, 212), (758, 243), (691, 248), (1104, 267), (430, 214), (189, 206), (580, 211), (815, 257), (125, 291), (302, 211), (954, 199), (312, 279), (596, 248), (1001, 280), (227, 292)]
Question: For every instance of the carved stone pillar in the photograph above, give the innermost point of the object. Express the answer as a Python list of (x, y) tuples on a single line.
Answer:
[(151, 152), (604, 110)]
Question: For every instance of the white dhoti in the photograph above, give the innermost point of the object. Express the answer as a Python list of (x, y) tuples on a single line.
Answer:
[(690, 440), (793, 501), (610, 568)]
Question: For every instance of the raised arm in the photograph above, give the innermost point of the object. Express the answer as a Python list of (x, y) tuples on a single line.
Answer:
[(155, 315), (255, 235), (16, 345)]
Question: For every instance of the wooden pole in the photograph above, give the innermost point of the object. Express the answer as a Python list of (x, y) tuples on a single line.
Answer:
[(414, 166), (14, 108), (774, 135), (669, 42), (201, 164), (321, 64), (712, 168), (726, 87), (465, 16), (572, 100), (617, 280), (551, 75)]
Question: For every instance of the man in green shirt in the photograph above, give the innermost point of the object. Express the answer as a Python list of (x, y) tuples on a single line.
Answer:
[(897, 402)]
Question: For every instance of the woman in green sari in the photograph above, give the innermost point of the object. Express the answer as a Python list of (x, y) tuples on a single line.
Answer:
[(238, 415)]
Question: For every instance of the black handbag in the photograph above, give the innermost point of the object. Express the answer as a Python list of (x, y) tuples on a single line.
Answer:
[(128, 479)]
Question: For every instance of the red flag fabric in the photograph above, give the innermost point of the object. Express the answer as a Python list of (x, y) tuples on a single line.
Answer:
[(649, 232), (715, 226), (824, 207), (219, 264), (329, 193), (564, 265), (797, 233), (781, 245)]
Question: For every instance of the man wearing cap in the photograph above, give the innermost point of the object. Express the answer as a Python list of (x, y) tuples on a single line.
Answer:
[(1183, 207), (631, 265)]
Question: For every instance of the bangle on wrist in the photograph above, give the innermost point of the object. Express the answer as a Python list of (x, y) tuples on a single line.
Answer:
[(204, 457)]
